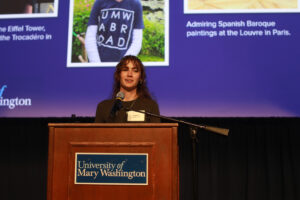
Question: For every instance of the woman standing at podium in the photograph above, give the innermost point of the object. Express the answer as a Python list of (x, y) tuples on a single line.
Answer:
[(130, 92)]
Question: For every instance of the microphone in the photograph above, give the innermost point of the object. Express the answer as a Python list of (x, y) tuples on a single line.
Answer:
[(117, 104)]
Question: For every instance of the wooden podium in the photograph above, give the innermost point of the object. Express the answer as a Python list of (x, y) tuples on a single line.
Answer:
[(77, 169)]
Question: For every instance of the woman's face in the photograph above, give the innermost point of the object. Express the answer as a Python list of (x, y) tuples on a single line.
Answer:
[(129, 77)]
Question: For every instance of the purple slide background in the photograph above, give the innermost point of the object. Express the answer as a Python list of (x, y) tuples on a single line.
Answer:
[(207, 77)]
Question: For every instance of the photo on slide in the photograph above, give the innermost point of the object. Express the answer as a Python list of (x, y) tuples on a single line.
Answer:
[(101, 32), (14, 9), (240, 6)]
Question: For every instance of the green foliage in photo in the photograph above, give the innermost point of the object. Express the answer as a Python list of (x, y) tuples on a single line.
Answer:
[(81, 15), (153, 40)]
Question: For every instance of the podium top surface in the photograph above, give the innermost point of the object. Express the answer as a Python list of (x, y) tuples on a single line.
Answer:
[(83, 125)]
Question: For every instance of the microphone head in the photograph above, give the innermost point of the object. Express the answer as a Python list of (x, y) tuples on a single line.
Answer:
[(120, 95)]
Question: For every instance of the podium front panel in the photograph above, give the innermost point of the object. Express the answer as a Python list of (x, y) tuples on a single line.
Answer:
[(113, 161)]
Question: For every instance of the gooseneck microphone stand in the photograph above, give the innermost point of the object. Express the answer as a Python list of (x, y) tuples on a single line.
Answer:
[(193, 134)]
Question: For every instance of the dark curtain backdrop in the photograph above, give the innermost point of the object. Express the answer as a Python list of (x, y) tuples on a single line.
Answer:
[(260, 159)]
